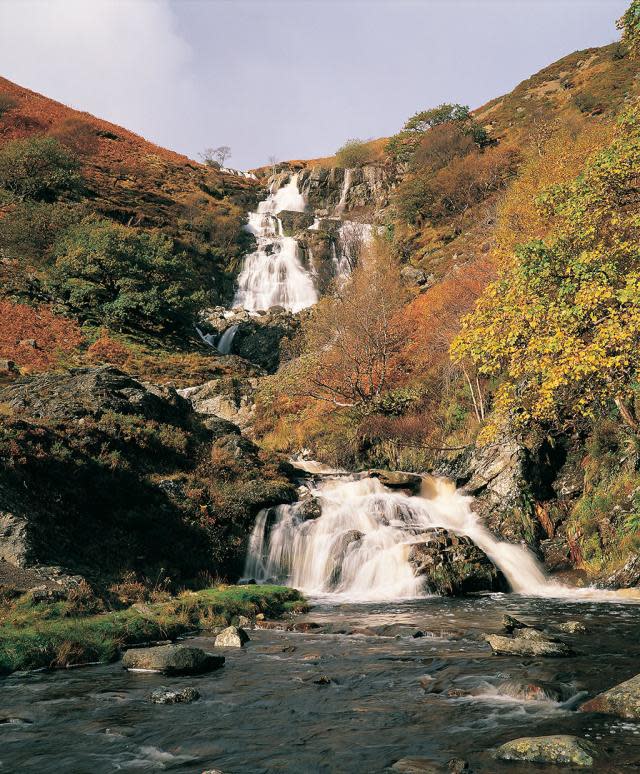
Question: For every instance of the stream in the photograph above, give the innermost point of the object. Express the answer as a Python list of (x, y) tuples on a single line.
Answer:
[(268, 709)]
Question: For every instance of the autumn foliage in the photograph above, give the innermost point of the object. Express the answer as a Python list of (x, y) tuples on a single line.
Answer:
[(34, 337)]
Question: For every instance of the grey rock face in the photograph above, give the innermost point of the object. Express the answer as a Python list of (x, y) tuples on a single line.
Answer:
[(171, 660), (453, 565)]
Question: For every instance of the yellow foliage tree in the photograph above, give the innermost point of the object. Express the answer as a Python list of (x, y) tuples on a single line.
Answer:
[(561, 323)]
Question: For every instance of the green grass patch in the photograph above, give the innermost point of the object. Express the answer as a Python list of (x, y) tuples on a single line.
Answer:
[(46, 635)]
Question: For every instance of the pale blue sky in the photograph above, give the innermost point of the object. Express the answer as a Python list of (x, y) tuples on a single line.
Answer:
[(290, 78)]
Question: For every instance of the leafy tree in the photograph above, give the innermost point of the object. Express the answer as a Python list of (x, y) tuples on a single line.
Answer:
[(124, 278), (37, 169), (561, 323), (350, 338), (354, 153), (403, 145), (629, 23)]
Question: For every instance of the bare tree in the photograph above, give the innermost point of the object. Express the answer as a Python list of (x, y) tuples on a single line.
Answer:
[(215, 157), (273, 160)]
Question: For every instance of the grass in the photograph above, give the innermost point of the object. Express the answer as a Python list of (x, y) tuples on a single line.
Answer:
[(48, 635)]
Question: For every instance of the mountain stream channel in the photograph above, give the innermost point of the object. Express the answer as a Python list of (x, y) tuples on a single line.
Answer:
[(376, 671)]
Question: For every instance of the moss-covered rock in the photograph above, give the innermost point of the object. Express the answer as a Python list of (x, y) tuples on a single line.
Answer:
[(558, 749)]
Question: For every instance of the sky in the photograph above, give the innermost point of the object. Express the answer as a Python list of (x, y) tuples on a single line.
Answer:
[(285, 78)]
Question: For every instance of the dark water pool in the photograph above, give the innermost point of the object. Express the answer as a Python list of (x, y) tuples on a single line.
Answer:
[(270, 709)]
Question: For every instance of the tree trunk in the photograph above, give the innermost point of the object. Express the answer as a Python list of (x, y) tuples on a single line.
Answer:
[(628, 414)]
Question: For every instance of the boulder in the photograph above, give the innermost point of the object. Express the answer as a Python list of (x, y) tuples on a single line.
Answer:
[(417, 766), (558, 749), (339, 551), (453, 565), (171, 660), (397, 479), (231, 637), (533, 690), (510, 623), (622, 700), (309, 508), (178, 696), (530, 643), (413, 276)]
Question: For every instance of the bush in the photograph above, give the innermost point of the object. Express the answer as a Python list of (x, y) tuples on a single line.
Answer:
[(6, 103), (76, 135), (354, 153), (38, 169), (587, 103)]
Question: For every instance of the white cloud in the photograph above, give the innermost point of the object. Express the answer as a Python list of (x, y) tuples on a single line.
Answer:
[(122, 60)]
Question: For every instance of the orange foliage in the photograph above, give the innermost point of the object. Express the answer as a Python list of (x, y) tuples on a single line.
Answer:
[(434, 317), (35, 338), (108, 350)]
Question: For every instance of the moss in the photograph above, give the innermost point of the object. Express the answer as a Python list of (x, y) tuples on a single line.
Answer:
[(44, 635)]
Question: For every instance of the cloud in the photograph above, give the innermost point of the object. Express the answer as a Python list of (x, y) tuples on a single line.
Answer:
[(122, 60)]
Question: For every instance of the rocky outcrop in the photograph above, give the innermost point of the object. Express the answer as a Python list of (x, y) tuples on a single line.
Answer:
[(453, 565), (171, 660), (622, 700), (367, 190), (398, 479), (558, 749), (229, 398), (293, 222), (101, 476)]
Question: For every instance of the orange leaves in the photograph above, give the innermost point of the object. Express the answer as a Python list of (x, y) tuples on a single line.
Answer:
[(34, 337)]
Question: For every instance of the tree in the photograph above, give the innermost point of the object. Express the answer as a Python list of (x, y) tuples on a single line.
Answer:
[(354, 153), (561, 323), (403, 145), (350, 339), (38, 169), (629, 23), (215, 157), (124, 278)]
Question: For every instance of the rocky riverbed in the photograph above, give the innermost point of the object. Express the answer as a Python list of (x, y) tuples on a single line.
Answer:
[(348, 687)]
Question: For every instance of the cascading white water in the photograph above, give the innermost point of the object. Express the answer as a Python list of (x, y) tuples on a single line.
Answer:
[(226, 340), (359, 545), (273, 275), (346, 184)]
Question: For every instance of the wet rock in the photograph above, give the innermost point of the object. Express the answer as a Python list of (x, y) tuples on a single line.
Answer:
[(626, 577), (397, 479), (180, 696), (244, 622), (457, 765), (306, 626), (294, 221), (231, 637), (558, 749), (417, 766), (537, 644), (453, 565), (622, 700), (510, 623), (534, 690), (171, 660), (309, 508), (556, 554), (572, 627), (321, 680), (339, 551)]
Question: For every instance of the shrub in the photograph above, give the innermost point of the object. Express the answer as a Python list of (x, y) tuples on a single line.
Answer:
[(6, 103), (76, 135), (587, 103), (38, 168), (354, 153), (108, 350), (124, 278)]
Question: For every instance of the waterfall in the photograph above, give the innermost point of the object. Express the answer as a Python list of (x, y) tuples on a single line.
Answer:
[(273, 275), (358, 545), (342, 204), (226, 340)]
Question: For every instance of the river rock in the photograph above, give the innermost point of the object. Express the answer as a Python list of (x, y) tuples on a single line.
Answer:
[(417, 766), (533, 690), (179, 696), (510, 624), (397, 479), (558, 749), (622, 700), (453, 565), (231, 637), (572, 627), (171, 660), (532, 644)]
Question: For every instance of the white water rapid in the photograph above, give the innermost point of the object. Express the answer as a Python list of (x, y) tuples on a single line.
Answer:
[(273, 275), (356, 543)]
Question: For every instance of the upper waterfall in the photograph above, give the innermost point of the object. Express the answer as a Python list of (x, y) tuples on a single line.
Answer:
[(273, 275)]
